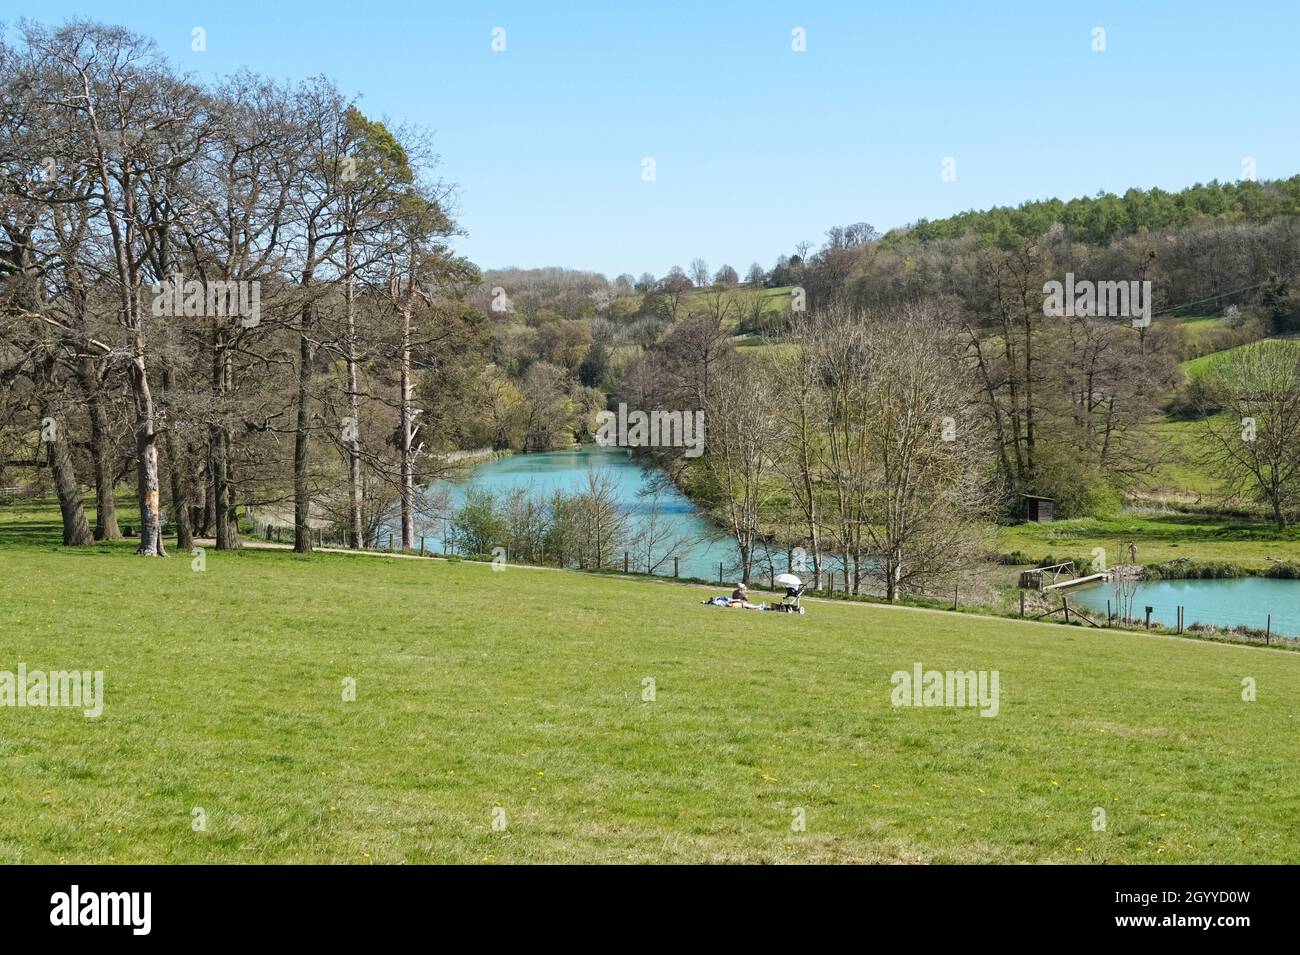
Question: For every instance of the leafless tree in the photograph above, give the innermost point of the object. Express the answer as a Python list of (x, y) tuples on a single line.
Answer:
[(1254, 443), (699, 272)]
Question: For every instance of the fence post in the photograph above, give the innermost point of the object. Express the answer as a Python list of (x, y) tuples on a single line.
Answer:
[(1108, 612), (1022, 603), (1268, 630), (625, 562), (954, 597), (1065, 605), (719, 573), (677, 566), (1148, 618), (421, 545)]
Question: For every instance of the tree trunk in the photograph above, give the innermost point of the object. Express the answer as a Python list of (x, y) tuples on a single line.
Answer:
[(146, 450), (201, 511), (407, 437), (76, 532), (222, 497), (894, 577), (301, 438), (106, 528), (176, 472), (356, 534)]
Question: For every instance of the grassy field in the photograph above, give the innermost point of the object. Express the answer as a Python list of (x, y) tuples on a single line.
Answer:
[(1160, 536), (1186, 474), (1199, 331), (1199, 366), (523, 690)]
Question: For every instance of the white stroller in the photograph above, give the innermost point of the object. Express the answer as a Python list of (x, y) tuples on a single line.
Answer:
[(794, 588)]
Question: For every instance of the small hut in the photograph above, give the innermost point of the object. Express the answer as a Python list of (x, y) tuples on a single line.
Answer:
[(1039, 508)]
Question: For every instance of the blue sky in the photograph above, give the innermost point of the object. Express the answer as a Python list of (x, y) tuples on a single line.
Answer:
[(757, 146)]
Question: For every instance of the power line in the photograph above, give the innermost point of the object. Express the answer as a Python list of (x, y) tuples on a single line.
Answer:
[(1248, 288)]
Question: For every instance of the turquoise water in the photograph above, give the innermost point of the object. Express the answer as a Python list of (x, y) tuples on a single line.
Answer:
[(543, 473), (1226, 603), (1247, 601)]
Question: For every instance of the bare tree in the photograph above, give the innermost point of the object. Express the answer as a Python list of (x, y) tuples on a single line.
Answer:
[(928, 486), (741, 430), (699, 272), (801, 405), (1254, 443)]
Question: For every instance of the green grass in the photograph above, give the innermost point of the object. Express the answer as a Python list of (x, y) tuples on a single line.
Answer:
[(523, 690), (1199, 331), (699, 301), (1199, 366), (1186, 472), (1160, 536)]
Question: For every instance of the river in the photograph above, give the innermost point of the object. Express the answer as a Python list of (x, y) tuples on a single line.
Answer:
[(703, 544), (1245, 601)]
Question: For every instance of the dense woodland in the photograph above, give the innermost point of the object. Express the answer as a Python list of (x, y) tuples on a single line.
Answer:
[(880, 398)]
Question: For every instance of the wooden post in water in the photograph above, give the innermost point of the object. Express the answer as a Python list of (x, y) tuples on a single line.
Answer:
[(1108, 611), (719, 573), (1268, 630)]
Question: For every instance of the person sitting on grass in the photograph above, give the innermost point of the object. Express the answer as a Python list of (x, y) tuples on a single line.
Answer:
[(740, 597)]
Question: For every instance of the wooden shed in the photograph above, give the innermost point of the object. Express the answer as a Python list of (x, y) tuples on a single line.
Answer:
[(1039, 508)]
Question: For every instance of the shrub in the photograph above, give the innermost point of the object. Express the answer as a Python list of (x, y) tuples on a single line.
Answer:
[(1283, 571)]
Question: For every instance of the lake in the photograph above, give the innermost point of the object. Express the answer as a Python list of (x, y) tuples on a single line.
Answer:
[(545, 472), (1245, 601)]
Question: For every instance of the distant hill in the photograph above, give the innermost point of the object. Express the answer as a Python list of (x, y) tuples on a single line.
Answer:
[(1106, 216)]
